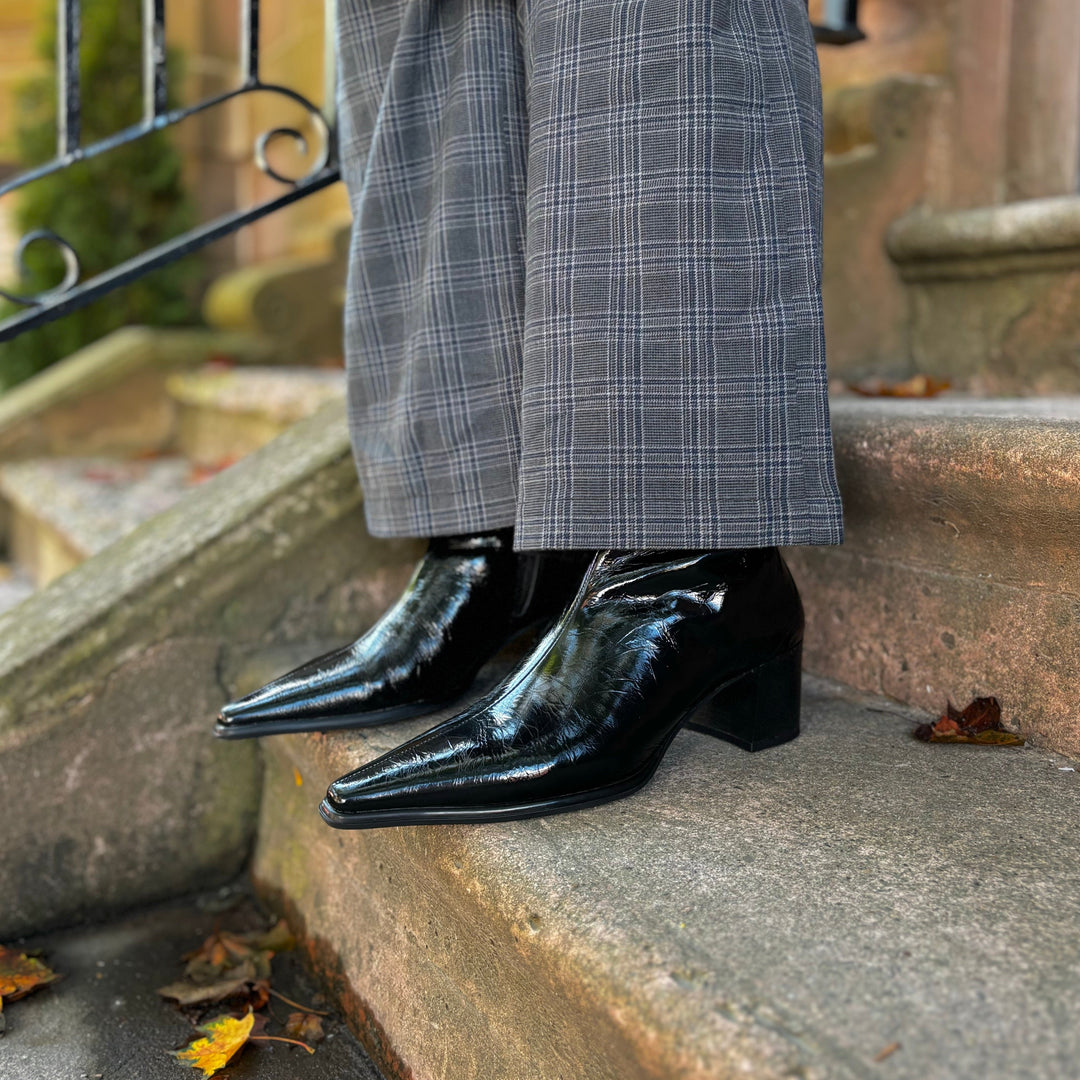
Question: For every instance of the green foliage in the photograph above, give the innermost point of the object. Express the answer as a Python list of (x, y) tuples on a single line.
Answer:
[(108, 208)]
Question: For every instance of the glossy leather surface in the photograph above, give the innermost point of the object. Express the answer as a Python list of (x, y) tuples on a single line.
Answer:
[(467, 596), (589, 714)]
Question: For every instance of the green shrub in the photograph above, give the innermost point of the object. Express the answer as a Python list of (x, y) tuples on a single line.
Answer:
[(109, 208)]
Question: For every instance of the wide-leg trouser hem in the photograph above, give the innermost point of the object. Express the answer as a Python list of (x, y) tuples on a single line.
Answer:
[(585, 282)]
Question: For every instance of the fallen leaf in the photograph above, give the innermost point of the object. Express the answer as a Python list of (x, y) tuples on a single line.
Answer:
[(21, 974), (918, 386), (189, 992), (279, 938), (230, 966), (886, 1051), (198, 474), (306, 1027), (978, 723), (982, 714), (227, 1036)]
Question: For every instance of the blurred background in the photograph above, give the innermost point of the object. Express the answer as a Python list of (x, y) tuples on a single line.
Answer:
[(155, 188)]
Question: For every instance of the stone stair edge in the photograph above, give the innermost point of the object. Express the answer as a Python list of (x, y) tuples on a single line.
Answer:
[(93, 501), (669, 1016), (989, 489), (229, 391), (84, 614), (114, 357)]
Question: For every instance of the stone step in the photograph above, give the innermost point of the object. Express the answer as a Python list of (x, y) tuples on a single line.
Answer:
[(959, 576), (850, 905), (226, 413), (109, 397), (64, 510)]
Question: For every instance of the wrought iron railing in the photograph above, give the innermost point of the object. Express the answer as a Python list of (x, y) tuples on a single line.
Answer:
[(839, 23), (839, 26), (72, 292)]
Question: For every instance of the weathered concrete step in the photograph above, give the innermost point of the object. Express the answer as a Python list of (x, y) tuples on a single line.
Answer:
[(226, 413), (63, 510), (960, 573), (795, 912)]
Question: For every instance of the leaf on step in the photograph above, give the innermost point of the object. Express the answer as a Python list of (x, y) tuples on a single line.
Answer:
[(230, 966), (21, 974), (279, 938), (247, 983), (979, 723), (306, 1027), (199, 474), (918, 386), (235, 981), (225, 1037)]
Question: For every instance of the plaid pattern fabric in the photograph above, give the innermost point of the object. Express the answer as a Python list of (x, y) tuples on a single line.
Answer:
[(584, 291)]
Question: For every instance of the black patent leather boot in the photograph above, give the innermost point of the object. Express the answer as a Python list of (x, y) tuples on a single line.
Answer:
[(468, 596), (653, 640)]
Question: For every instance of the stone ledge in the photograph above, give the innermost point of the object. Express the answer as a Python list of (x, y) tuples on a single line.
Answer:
[(959, 575), (109, 396), (281, 394), (225, 415), (84, 504), (1036, 234), (109, 678), (782, 914), (993, 295)]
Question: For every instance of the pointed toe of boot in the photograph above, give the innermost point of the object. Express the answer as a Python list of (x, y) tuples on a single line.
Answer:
[(286, 704), (364, 798), (237, 718)]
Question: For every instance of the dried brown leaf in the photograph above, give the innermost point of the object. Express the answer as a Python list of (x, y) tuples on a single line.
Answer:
[(983, 714), (237, 981), (306, 1027), (918, 386), (979, 723)]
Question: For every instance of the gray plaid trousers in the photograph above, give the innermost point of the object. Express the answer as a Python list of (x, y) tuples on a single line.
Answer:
[(584, 291)]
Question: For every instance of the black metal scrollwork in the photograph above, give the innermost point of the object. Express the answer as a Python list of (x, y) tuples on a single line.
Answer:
[(72, 270), (71, 292), (262, 143)]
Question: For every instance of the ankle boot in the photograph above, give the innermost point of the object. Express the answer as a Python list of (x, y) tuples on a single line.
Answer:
[(468, 596), (652, 640)]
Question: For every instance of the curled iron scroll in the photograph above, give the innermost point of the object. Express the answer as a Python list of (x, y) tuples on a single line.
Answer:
[(72, 270), (267, 137)]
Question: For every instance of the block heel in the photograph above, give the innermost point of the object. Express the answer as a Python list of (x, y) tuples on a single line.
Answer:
[(759, 709)]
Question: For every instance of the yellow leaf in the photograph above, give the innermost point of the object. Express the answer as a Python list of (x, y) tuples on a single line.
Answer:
[(297, 777), (21, 974), (227, 1036)]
